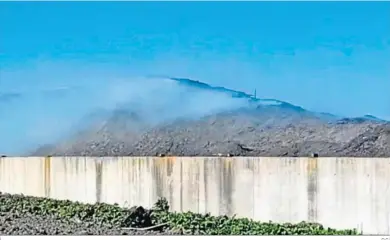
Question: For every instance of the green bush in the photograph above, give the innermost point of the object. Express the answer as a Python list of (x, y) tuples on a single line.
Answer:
[(112, 215), (187, 223), (197, 224)]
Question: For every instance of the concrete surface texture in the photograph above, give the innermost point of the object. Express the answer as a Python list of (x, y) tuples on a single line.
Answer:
[(336, 192)]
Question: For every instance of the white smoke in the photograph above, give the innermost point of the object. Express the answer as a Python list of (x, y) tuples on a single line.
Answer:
[(50, 101)]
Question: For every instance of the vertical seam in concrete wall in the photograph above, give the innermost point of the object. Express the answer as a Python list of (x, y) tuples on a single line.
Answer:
[(205, 184), (197, 174), (254, 170), (47, 170), (98, 182), (312, 188), (157, 177), (170, 164), (181, 185), (227, 181)]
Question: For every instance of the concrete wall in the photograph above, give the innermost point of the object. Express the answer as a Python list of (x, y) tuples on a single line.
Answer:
[(336, 192)]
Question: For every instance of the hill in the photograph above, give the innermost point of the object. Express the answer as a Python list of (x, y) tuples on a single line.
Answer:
[(255, 127)]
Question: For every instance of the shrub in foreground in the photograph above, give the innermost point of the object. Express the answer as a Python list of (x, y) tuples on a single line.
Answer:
[(186, 223), (102, 213), (190, 223)]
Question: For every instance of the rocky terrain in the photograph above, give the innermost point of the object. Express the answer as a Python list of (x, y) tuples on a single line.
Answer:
[(265, 127), (32, 224), (23, 215)]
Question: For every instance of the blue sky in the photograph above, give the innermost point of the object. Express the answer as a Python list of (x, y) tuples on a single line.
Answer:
[(324, 56)]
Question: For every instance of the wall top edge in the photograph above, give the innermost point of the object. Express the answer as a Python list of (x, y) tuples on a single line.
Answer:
[(183, 157)]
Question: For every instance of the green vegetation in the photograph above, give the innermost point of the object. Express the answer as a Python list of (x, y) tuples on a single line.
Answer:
[(196, 224), (68, 210), (186, 223)]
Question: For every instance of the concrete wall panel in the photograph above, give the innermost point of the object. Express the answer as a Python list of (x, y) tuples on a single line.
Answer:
[(336, 192)]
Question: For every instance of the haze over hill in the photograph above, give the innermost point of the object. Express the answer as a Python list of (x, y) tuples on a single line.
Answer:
[(71, 85), (224, 121)]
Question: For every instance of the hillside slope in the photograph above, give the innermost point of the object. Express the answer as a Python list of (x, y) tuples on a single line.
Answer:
[(263, 127)]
